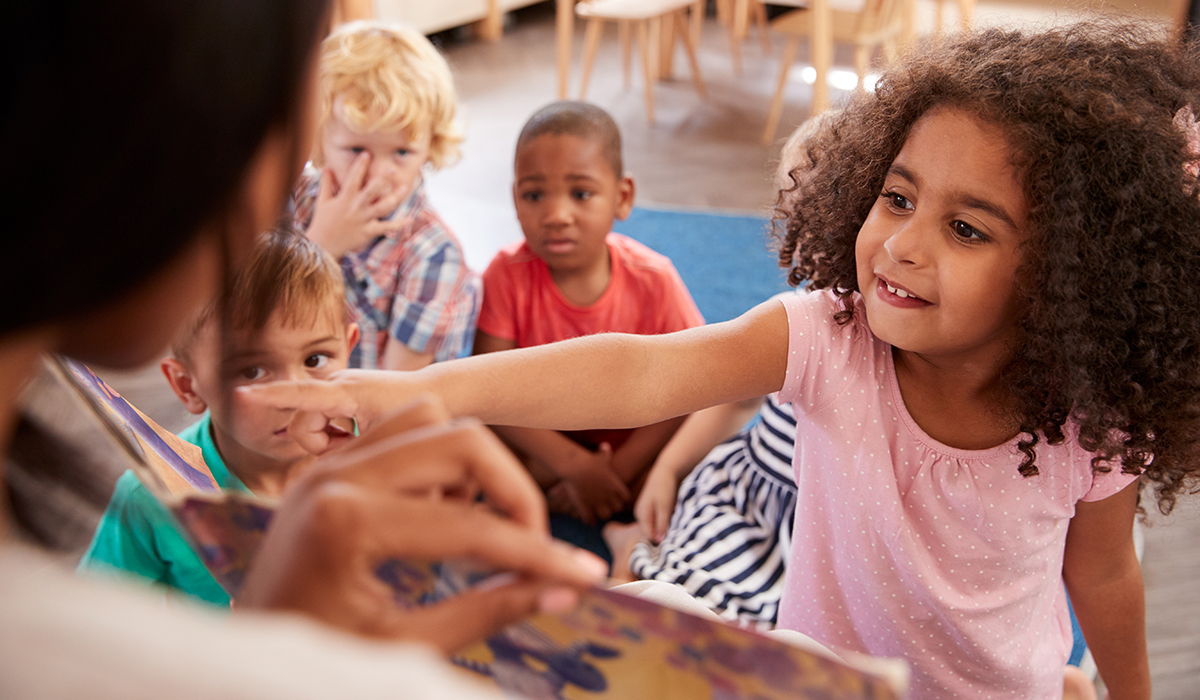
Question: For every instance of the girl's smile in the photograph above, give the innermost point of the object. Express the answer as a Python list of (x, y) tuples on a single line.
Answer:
[(937, 254)]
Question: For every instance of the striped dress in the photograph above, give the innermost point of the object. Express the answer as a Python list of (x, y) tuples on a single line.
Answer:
[(729, 535)]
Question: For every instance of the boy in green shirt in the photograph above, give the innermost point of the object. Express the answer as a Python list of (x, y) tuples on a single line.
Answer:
[(284, 318)]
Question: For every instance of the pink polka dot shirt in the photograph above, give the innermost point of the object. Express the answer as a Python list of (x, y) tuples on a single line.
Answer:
[(906, 547)]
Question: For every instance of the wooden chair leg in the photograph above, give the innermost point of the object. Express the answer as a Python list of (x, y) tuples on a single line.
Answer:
[(626, 50), (591, 41), (776, 111), (735, 48), (862, 63), (665, 68), (697, 14), (724, 10), (649, 53), (908, 21), (966, 9), (760, 19), (680, 22), (890, 50)]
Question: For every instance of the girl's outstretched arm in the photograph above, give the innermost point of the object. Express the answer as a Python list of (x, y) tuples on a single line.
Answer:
[(1104, 580), (609, 380)]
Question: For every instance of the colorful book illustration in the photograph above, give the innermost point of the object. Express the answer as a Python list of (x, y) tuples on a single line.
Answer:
[(611, 646)]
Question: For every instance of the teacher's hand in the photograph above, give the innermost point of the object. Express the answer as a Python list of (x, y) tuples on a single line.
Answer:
[(408, 489)]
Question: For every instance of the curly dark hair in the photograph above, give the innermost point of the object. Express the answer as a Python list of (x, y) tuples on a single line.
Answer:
[(1111, 335)]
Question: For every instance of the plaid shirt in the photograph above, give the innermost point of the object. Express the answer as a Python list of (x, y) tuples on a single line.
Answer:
[(411, 284)]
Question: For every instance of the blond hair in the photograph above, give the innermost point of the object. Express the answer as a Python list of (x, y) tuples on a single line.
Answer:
[(287, 274), (389, 78)]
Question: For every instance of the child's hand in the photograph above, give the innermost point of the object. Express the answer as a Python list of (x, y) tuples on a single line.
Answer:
[(656, 503), (593, 488), (364, 395), (407, 489), (348, 215)]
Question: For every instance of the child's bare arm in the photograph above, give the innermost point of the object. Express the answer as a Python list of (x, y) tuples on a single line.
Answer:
[(614, 380), (601, 381), (702, 431), (552, 457), (1104, 580)]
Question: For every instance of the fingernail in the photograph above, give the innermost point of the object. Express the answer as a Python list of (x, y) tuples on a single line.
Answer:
[(557, 600), (595, 567)]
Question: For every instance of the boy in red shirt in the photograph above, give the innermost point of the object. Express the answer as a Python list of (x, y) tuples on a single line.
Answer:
[(570, 277)]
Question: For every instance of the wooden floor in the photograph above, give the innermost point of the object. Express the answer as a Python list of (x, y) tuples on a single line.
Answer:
[(706, 153)]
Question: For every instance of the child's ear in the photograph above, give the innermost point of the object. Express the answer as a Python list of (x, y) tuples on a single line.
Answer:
[(352, 334), (184, 385), (625, 192)]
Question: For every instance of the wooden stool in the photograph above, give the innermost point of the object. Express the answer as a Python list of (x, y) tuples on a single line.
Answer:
[(645, 17), (878, 23)]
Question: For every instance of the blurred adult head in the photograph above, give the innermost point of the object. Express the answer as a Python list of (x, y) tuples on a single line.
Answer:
[(146, 142)]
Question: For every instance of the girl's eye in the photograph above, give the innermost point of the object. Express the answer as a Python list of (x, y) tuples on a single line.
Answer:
[(967, 232), (582, 195), (897, 201), (355, 149), (532, 196), (317, 360), (253, 373), (402, 152)]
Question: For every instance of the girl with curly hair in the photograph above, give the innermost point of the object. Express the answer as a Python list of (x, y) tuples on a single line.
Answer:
[(1003, 336)]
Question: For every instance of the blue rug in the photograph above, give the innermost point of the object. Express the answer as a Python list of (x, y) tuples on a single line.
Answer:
[(726, 260)]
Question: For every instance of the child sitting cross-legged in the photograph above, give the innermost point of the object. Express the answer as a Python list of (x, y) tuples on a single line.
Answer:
[(387, 115), (572, 277), (287, 320)]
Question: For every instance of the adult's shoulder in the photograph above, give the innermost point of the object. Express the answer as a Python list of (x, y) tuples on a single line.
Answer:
[(99, 639)]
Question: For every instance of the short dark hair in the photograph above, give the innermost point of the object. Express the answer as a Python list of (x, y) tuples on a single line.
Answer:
[(582, 119), (126, 126), (1110, 337)]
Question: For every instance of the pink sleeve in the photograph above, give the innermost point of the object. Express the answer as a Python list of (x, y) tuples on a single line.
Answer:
[(821, 357), (1108, 483)]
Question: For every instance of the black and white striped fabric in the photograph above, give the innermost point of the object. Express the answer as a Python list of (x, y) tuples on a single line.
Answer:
[(729, 535)]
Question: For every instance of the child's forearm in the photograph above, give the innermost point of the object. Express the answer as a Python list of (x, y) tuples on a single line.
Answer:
[(601, 381), (1104, 580), (1113, 619), (633, 459), (616, 380)]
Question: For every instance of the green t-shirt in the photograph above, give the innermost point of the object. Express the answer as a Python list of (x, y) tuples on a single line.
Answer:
[(137, 534)]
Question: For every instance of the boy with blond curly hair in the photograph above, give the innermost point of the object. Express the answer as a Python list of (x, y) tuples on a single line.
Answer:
[(387, 112)]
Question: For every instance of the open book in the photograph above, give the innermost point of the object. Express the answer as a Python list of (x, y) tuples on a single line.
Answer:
[(611, 646)]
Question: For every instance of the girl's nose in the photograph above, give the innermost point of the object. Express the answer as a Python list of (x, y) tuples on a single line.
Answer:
[(905, 245)]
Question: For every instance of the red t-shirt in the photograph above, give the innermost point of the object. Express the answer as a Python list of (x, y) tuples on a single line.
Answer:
[(645, 295)]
